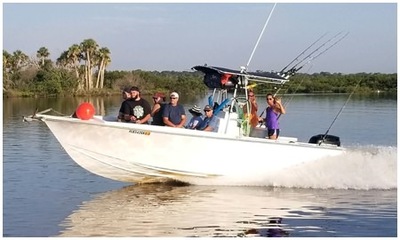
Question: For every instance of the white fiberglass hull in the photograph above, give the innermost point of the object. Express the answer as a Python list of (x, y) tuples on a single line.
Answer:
[(144, 153)]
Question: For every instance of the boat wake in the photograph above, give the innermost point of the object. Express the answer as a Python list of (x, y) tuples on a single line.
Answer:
[(365, 167)]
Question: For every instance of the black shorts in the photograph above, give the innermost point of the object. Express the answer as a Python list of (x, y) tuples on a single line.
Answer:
[(273, 132)]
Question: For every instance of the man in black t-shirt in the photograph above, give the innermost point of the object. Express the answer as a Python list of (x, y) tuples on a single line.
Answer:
[(136, 109)]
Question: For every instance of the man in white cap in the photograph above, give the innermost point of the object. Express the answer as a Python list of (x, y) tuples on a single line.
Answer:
[(174, 113)]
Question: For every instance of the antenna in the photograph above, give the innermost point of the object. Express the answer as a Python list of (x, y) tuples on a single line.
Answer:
[(259, 37)]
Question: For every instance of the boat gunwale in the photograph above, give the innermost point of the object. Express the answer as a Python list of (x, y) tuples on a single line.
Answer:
[(182, 131)]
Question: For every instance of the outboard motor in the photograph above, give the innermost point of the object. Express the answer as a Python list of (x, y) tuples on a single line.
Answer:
[(329, 139)]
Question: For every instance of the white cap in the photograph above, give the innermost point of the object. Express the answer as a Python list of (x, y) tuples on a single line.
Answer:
[(174, 94)]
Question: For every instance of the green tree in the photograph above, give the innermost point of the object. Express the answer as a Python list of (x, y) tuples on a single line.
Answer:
[(42, 54), (103, 59), (18, 61), (12, 65), (88, 48), (7, 83), (70, 60), (54, 82), (74, 57)]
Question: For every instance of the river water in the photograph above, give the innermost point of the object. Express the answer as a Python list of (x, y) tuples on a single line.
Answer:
[(46, 194)]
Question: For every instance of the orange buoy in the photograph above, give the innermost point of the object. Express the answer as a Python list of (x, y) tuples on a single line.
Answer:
[(85, 111)]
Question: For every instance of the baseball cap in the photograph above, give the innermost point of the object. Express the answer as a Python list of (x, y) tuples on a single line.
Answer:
[(208, 107), (174, 94)]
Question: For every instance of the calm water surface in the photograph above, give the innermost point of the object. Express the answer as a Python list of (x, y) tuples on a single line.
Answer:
[(46, 194)]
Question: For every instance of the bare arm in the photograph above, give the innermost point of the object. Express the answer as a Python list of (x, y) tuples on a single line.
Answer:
[(144, 120), (129, 118), (155, 109), (208, 129), (182, 122), (167, 122), (279, 107), (254, 106)]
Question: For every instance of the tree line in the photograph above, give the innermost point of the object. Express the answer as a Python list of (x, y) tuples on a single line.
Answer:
[(82, 70), (325, 82)]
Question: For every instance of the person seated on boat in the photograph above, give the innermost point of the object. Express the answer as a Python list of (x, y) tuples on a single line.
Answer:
[(252, 116), (274, 110), (210, 122), (158, 108), (196, 117), (174, 113), (126, 94), (136, 109)]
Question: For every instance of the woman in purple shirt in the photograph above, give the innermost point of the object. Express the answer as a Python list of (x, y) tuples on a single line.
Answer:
[(274, 109)]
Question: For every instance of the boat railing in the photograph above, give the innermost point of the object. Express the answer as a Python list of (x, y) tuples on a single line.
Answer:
[(232, 119)]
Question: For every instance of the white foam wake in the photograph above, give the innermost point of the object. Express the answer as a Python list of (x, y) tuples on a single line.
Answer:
[(367, 167)]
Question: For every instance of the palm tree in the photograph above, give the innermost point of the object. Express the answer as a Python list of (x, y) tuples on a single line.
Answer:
[(43, 53), (6, 61), (62, 60), (74, 56), (107, 61), (12, 64), (103, 56), (18, 60), (88, 48)]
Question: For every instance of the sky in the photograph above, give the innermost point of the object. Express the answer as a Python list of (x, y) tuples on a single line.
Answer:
[(178, 36)]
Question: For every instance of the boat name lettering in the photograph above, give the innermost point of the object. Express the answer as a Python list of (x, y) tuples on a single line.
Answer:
[(139, 132)]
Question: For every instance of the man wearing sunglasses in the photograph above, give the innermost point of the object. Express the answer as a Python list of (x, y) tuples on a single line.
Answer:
[(174, 113), (210, 122)]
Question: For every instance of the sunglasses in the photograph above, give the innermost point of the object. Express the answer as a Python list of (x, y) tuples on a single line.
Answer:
[(172, 98), (251, 95), (270, 99), (207, 110)]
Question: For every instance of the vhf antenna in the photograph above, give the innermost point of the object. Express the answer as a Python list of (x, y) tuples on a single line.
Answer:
[(259, 38)]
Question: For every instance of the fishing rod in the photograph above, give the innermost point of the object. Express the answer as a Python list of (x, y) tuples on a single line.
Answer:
[(286, 103), (297, 58), (314, 57), (259, 37), (293, 69), (340, 111), (297, 88), (276, 92)]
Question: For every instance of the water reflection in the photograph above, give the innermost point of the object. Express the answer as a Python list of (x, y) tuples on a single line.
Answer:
[(170, 210), (207, 211), (13, 107)]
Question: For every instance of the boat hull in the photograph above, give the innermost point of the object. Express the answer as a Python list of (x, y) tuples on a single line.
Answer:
[(144, 153)]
